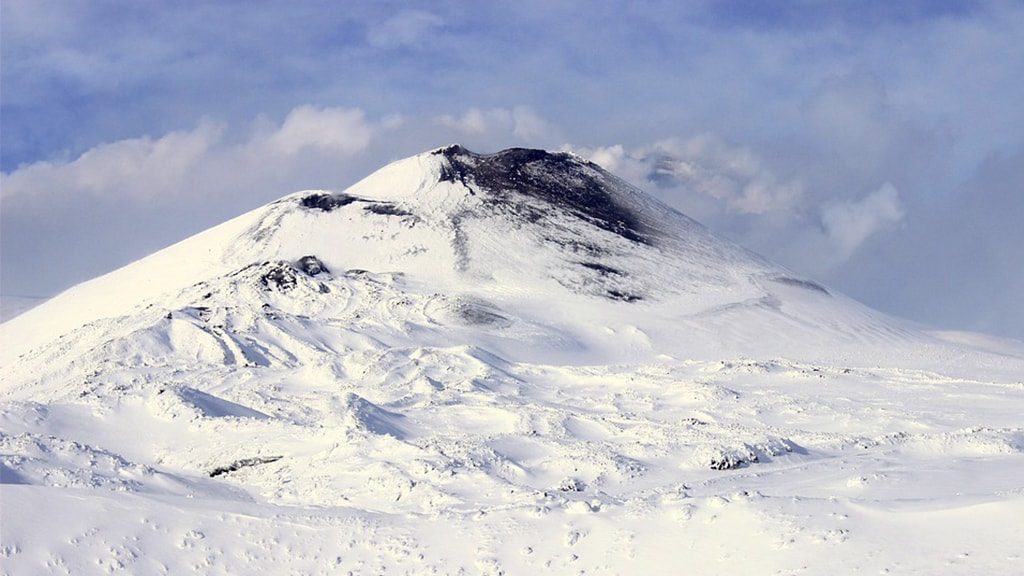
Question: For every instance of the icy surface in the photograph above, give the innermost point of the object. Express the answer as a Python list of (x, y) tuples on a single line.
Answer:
[(503, 364)]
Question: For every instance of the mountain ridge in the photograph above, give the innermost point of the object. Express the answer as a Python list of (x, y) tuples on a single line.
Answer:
[(446, 368), (519, 228), (403, 195)]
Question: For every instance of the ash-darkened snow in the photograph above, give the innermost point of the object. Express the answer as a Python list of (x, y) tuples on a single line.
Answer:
[(530, 183)]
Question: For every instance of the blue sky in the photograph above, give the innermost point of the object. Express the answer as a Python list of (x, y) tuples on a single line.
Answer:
[(876, 146)]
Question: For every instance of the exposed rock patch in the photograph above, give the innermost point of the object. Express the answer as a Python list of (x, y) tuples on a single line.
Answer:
[(385, 209), (559, 179), (312, 266), (243, 463), (281, 277), (327, 202)]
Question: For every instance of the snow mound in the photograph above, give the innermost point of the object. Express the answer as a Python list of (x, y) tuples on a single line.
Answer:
[(504, 363)]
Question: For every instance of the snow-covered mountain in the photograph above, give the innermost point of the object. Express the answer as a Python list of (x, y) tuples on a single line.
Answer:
[(511, 362), (547, 240)]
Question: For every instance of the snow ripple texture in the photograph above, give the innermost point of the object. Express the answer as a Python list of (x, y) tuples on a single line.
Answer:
[(504, 364)]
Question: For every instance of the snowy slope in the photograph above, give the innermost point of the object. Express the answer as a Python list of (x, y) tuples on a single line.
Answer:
[(495, 363), (533, 251)]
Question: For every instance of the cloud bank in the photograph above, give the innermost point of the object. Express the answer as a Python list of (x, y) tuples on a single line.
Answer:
[(66, 221), (870, 145)]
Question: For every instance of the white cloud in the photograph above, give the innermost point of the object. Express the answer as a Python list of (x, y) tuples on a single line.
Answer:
[(701, 166), (527, 125), (407, 28), (610, 158), (203, 162), (521, 122), (849, 224), (473, 121), (137, 167), (342, 130), (828, 113), (733, 190), (302, 150), (118, 201)]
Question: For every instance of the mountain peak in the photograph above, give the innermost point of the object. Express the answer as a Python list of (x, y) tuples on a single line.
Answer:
[(520, 227), (450, 149), (519, 349), (511, 158), (527, 181)]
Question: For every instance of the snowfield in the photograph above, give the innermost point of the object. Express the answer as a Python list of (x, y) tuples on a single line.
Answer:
[(504, 364)]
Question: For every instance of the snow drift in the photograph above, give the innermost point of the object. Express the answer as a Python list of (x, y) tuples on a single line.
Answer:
[(517, 350)]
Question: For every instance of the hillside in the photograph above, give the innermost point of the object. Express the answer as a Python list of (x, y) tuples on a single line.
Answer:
[(503, 363)]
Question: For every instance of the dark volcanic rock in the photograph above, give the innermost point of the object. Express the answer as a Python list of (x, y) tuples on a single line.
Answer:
[(243, 463), (327, 202), (623, 296), (386, 209), (559, 179), (728, 462), (312, 265), (281, 276)]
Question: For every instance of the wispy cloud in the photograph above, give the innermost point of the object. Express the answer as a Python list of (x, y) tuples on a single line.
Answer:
[(521, 121), (340, 130), (136, 167), (406, 28), (143, 193), (733, 177), (778, 124), (849, 224), (707, 177)]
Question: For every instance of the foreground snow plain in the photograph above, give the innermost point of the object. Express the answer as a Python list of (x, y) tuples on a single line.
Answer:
[(511, 364)]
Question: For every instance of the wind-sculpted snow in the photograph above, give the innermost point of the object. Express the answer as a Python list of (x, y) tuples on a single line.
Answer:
[(476, 364)]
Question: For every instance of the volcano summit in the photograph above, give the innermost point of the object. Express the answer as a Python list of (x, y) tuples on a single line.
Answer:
[(505, 363)]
